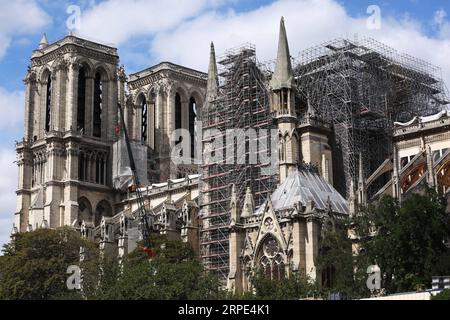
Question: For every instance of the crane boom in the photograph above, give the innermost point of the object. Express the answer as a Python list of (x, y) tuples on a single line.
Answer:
[(143, 216)]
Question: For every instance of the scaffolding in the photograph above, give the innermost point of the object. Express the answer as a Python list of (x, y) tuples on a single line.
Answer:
[(362, 87), (242, 103)]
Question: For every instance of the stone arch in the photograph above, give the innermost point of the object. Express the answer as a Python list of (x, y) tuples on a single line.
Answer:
[(270, 258), (193, 114), (182, 91), (103, 209), (47, 85), (84, 211), (44, 73), (81, 62), (180, 107), (140, 118), (198, 99), (104, 71), (139, 96), (100, 106)]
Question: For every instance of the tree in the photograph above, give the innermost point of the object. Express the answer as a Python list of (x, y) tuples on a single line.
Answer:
[(336, 256), (296, 286), (406, 241), (173, 274), (34, 265)]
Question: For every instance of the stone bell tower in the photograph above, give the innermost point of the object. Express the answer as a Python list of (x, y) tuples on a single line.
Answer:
[(282, 107), (64, 159)]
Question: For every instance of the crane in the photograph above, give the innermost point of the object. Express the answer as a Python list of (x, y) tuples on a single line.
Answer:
[(144, 226)]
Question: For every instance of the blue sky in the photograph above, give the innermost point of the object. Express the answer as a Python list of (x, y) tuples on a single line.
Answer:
[(147, 32)]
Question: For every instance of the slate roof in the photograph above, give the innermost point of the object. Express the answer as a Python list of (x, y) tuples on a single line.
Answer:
[(304, 186)]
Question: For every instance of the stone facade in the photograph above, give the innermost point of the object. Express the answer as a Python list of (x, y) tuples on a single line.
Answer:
[(65, 160)]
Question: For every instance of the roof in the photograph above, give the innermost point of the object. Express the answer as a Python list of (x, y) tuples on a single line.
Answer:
[(165, 65), (77, 41), (434, 117), (304, 186)]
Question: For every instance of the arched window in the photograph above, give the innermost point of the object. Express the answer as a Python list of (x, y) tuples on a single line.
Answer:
[(177, 111), (144, 120), (152, 119), (81, 103), (84, 211), (48, 103), (192, 119), (98, 87), (271, 261), (103, 210)]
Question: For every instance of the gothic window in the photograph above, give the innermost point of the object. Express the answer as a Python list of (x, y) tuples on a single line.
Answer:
[(103, 209), (81, 103), (98, 104), (177, 111), (48, 103), (271, 261), (152, 119), (84, 211), (192, 119), (144, 120)]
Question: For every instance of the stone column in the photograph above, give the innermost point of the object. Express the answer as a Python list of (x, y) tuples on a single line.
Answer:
[(30, 82), (234, 282), (72, 98), (312, 248), (58, 108)]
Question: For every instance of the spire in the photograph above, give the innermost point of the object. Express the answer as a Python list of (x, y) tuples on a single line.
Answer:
[(44, 42), (234, 204), (213, 81), (283, 76), (249, 204)]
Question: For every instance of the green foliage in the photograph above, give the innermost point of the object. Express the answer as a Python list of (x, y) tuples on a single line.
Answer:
[(444, 295), (34, 264), (295, 287), (335, 253), (408, 245), (173, 274)]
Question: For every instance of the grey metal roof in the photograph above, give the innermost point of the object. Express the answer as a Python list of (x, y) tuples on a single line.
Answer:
[(304, 186)]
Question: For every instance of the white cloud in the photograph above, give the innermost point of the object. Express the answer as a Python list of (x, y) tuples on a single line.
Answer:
[(308, 23), (11, 104), (439, 17), (441, 23), (8, 184), (180, 31), (19, 17), (115, 21)]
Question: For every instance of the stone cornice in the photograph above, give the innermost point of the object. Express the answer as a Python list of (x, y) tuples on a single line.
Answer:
[(56, 50), (166, 70)]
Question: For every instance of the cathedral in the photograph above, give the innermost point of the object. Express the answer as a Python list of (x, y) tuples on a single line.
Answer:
[(336, 148)]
